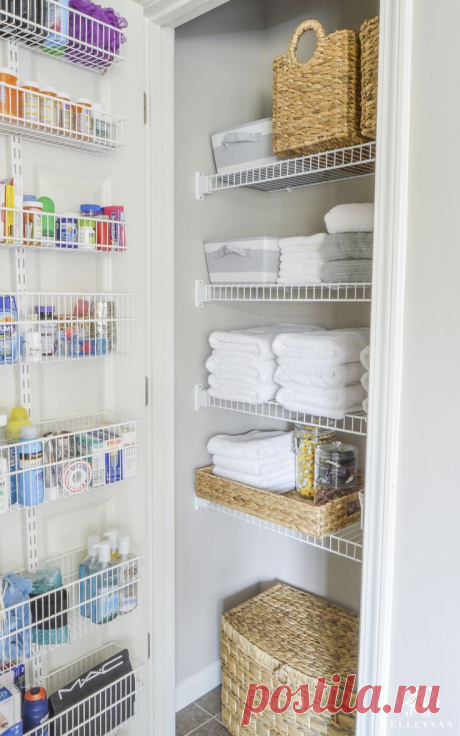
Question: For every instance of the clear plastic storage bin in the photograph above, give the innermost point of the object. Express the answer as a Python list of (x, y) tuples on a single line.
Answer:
[(307, 440), (336, 471)]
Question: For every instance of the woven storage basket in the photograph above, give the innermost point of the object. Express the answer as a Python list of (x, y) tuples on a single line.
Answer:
[(369, 39), (316, 106), (286, 637), (288, 509)]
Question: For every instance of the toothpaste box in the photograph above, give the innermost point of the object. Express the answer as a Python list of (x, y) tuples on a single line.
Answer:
[(113, 466), (116, 235)]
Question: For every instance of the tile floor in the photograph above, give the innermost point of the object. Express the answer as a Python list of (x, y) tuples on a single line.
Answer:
[(202, 718)]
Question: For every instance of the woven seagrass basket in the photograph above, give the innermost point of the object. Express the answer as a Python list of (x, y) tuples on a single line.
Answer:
[(288, 509), (316, 106), (369, 39), (286, 637)]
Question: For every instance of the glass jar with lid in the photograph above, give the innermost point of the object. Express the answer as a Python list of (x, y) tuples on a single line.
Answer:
[(336, 471), (307, 440)]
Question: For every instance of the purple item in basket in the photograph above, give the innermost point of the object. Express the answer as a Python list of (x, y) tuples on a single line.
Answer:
[(91, 31)]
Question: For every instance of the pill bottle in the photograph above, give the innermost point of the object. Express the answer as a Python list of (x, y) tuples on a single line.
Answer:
[(99, 125), (64, 113), (31, 342), (29, 108), (81, 109), (33, 223), (48, 329), (49, 109), (87, 226), (67, 230), (9, 98)]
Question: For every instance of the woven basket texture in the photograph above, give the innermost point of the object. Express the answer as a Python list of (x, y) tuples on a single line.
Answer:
[(288, 509), (286, 637), (369, 39), (316, 106)]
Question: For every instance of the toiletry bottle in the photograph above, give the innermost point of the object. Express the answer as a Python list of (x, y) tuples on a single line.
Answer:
[(87, 567), (19, 418), (112, 536), (30, 462), (104, 587), (4, 467), (128, 575)]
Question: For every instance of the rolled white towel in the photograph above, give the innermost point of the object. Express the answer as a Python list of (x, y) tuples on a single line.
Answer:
[(366, 405), (303, 240), (255, 445), (365, 357), (255, 341), (329, 348), (344, 374), (281, 484), (365, 381), (262, 371), (280, 462), (350, 218), (247, 395)]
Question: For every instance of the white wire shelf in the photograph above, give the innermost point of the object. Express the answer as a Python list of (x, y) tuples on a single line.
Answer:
[(40, 119), (75, 455), (45, 622), (107, 708), (346, 543), (62, 233), (318, 168), (69, 326), (80, 39), (356, 292), (352, 423)]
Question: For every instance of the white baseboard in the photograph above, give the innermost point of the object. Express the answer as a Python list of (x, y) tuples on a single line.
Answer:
[(197, 685)]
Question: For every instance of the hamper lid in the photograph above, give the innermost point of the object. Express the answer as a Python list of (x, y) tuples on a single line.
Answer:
[(306, 636)]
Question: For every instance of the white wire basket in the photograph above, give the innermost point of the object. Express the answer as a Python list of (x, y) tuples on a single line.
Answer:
[(64, 233), (40, 117), (62, 32), (48, 328), (59, 617), (70, 457), (105, 710)]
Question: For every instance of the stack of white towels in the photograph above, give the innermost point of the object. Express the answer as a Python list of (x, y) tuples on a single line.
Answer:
[(301, 260), (365, 358), (264, 460), (242, 365), (320, 373)]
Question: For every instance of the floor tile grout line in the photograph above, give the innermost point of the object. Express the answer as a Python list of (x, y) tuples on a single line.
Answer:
[(201, 724), (203, 709)]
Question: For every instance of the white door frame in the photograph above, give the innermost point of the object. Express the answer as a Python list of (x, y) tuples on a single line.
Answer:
[(386, 360)]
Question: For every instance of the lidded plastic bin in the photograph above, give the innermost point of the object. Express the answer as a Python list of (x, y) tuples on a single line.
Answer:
[(336, 471), (307, 439)]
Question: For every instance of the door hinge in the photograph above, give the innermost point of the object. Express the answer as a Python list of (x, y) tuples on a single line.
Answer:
[(148, 645), (145, 108), (146, 391)]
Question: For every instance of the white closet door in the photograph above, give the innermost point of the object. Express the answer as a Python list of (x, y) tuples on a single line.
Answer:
[(116, 383)]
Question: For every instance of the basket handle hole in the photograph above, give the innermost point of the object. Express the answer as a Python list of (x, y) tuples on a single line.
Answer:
[(306, 47)]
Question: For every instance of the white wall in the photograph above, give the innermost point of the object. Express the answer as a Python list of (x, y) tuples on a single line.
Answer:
[(426, 628), (223, 78)]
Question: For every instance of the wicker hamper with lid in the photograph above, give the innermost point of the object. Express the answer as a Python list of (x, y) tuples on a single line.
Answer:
[(286, 637), (316, 106), (369, 39)]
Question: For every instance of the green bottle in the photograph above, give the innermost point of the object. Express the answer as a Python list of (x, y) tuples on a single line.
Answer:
[(48, 222)]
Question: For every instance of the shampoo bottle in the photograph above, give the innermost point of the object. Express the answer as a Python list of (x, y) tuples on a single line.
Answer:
[(128, 575), (104, 587), (112, 535), (87, 567)]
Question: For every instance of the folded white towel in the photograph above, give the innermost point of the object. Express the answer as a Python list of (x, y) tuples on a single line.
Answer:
[(227, 381), (339, 397), (301, 274), (278, 463), (235, 392), (285, 482), (255, 445), (350, 218), (344, 374), (301, 259), (255, 341), (365, 357), (311, 248), (303, 240), (329, 348), (365, 381), (293, 402), (262, 372), (366, 405), (228, 358)]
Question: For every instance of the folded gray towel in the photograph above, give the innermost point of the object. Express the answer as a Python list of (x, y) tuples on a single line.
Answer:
[(346, 246), (347, 272)]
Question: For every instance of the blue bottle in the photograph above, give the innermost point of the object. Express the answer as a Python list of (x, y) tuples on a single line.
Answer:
[(35, 712), (30, 462), (104, 588), (9, 334), (87, 567)]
